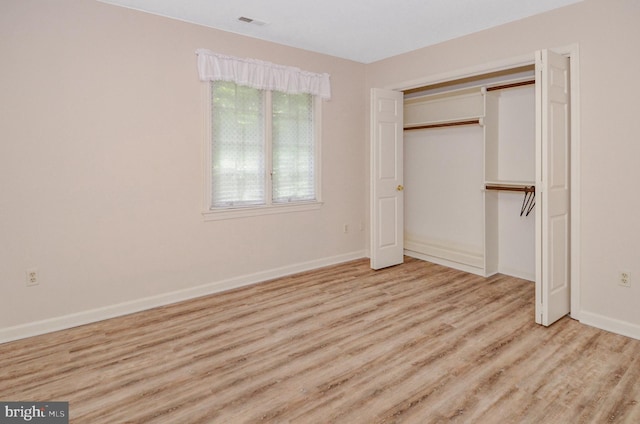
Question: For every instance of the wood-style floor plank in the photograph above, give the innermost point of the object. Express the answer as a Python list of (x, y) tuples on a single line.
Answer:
[(415, 343)]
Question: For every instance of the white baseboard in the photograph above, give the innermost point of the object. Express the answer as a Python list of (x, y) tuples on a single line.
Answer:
[(449, 252), (518, 273), (445, 262), (610, 324), (94, 315)]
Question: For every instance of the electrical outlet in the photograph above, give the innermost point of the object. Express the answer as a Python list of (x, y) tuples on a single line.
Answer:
[(625, 279), (32, 277)]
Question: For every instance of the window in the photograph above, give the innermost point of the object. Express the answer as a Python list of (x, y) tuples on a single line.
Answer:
[(264, 150)]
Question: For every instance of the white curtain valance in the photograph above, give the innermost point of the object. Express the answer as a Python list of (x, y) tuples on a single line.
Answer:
[(262, 75)]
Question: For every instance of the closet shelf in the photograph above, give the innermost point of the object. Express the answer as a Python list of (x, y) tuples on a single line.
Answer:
[(444, 124), (511, 85), (510, 186), (461, 107), (492, 181)]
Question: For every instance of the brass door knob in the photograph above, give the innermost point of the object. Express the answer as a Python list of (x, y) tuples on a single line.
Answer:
[(400, 187)]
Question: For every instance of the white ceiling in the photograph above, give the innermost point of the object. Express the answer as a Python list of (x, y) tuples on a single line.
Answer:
[(361, 30)]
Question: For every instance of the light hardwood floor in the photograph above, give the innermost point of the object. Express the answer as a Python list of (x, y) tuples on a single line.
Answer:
[(416, 343)]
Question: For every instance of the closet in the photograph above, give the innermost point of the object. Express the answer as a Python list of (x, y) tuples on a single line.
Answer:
[(483, 175), (469, 175)]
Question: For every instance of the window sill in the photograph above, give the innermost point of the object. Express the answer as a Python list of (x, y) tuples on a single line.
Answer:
[(245, 212)]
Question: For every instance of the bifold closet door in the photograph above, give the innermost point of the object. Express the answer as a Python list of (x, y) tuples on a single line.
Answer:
[(553, 299), (387, 213)]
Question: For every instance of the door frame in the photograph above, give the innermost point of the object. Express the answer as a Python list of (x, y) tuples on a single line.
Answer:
[(571, 51)]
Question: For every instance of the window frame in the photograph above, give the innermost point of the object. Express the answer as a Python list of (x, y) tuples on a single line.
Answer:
[(213, 214)]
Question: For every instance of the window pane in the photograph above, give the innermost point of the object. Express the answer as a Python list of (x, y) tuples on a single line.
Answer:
[(293, 148), (238, 165)]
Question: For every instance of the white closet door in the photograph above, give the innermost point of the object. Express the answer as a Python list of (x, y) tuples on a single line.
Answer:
[(552, 187), (387, 223)]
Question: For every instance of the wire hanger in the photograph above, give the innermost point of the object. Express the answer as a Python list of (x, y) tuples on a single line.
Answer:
[(528, 202)]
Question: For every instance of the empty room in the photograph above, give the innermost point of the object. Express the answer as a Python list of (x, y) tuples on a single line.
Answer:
[(319, 212)]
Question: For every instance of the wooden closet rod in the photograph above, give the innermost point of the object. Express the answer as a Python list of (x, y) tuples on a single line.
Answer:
[(512, 85), (511, 187), (444, 124)]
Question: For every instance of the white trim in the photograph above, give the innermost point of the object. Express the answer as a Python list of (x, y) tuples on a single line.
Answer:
[(221, 214), (86, 317), (317, 125), (206, 145), (472, 71), (571, 50), (610, 324), (448, 251), (576, 194), (518, 273), (445, 262)]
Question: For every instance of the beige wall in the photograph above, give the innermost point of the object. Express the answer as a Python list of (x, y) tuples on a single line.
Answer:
[(101, 182), (607, 32)]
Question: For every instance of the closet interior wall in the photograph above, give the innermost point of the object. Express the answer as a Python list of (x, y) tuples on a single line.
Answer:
[(450, 217)]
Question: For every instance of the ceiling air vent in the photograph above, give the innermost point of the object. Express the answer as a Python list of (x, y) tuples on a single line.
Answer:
[(250, 20)]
